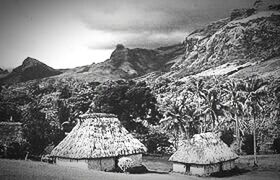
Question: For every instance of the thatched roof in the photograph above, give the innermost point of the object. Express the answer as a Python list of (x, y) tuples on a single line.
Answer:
[(204, 148), (96, 136), (10, 132)]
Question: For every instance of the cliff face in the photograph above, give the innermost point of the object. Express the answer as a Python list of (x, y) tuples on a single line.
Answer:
[(249, 35)]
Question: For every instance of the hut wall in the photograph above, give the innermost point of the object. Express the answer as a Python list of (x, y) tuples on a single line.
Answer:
[(83, 164), (228, 165), (104, 164), (197, 170), (179, 167), (211, 168), (137, 159)]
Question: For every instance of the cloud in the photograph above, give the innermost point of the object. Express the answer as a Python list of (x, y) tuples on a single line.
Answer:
[(140, 40), (152, 23)]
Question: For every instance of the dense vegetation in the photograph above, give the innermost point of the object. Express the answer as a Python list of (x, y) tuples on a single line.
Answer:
[(160, 114)]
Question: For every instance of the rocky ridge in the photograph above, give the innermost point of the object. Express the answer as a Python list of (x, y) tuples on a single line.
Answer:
[(246, 37), (29, 70)]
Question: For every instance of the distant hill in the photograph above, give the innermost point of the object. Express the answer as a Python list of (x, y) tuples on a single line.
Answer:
[(29, 70), (126, 63)]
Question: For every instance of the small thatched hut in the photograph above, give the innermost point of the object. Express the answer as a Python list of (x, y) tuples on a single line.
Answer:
[(97, 142), (202, 155)]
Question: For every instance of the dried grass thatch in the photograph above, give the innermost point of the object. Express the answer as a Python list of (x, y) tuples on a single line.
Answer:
[(97, 136), (204, 148)]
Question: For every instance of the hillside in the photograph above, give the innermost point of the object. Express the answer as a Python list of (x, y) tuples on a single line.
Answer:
[(126, 63), (248, 36), (29, 70)]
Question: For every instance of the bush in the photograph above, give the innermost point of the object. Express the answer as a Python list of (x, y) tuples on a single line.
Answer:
[(157, 143), (248, 144), (16, 150), (276, 145), (227, 136), (125, 163)]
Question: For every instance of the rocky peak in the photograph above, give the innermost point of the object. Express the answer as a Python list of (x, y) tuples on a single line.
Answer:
[(119, 55), (2, 71), (31, 62), (262, 5)]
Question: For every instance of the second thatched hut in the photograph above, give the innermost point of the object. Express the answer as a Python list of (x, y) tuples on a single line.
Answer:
[(97, 142), (203, 155)]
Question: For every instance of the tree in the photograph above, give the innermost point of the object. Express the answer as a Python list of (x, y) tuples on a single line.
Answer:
[(255, 90), (235, 103), (197, 87), (133, 103), (180, 115), (38, 131)]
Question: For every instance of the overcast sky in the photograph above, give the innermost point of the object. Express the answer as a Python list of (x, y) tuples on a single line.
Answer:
[(65, 34)]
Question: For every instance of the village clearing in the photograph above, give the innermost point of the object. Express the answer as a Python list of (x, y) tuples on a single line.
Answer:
[(159, 167)]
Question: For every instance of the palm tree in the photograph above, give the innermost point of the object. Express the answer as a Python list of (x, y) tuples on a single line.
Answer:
[(235, 97), (180, 116), (197, 87), (255, 90)]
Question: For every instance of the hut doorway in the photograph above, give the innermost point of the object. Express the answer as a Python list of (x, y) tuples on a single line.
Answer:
[(116, 162), (188, 167)]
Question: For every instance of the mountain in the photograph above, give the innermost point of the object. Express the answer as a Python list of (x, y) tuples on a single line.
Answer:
[(248, 36), (29, 70), (126, 63), (247, 39)]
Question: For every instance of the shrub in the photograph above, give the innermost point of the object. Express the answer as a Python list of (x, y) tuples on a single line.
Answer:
[(125, 163), (248, 144), (157, 143), (227, 136), (16, 150), (276, 145)]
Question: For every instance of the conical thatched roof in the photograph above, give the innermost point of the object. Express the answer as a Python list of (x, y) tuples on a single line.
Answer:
[(96, 136), (204, 148)]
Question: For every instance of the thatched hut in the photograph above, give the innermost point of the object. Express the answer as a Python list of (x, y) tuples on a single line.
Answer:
[(202, 155), (97, 142)]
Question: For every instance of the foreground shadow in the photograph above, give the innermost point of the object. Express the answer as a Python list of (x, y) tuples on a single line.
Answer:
[(234, 172)]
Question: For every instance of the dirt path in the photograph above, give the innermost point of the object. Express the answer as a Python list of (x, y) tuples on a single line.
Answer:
[(29, 170)]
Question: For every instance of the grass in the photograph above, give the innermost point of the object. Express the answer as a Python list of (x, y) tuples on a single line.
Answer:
[(159, 168), (158, 164)]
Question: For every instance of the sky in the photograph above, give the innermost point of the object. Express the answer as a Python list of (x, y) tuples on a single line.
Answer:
[(68, 33)]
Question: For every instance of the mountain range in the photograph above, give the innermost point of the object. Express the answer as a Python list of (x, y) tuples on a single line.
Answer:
[(244, 44)]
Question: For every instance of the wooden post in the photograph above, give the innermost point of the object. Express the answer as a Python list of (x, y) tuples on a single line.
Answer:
[(255, 143)]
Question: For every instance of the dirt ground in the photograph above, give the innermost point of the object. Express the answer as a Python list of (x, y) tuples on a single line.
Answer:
[(30, 170)]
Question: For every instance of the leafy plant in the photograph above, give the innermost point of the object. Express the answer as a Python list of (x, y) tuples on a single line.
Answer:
[(124, 163), (157, 143)]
